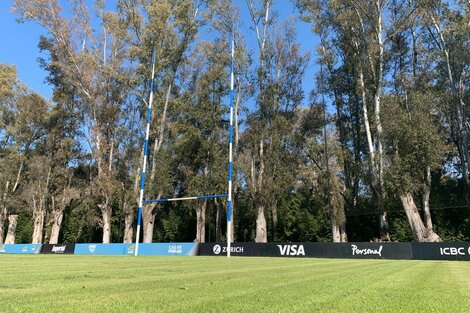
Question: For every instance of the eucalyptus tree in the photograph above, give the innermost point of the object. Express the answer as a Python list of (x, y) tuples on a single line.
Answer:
[(414, 147), (446, 26), (268, 147), (60, 146), (169, 28), (201, 145), (93, 58), (359, 34), (13, 147)]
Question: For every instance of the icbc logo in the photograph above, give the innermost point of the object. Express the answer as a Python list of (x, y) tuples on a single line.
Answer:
[(454, 251)]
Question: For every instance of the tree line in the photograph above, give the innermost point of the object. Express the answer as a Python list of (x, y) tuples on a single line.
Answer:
[(377, 150)]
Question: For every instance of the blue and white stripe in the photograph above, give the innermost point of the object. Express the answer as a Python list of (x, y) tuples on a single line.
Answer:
[(144, 161), (230, 159), (187, 198)]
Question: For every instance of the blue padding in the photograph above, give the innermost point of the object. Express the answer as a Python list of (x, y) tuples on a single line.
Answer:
[(144, 248), (101, 248), (20, 248)]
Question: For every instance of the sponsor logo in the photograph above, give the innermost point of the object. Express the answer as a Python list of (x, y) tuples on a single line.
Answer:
[(291, 250), (130, 250), (357, 251), (454, 251), (2, 248), (175, 249), (25, 249), (58, 249), (92, 248), (218, 249)]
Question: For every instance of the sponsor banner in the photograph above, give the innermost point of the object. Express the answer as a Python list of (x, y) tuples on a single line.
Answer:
[(101, 248), (441, 251), (369, 250), (144, 248), (20, 248), (363, 250), (236, 249), (66, 248), (177, 248)]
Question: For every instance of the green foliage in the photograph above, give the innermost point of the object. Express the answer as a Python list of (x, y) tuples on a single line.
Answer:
[(413, 141), (87, 143)]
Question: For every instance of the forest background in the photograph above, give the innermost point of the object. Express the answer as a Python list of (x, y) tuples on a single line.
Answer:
[(354, 130)]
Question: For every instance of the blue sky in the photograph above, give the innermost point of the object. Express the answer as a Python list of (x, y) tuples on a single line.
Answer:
[(20, 40)]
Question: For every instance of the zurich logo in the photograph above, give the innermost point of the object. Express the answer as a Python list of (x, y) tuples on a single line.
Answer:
[(217, 249)]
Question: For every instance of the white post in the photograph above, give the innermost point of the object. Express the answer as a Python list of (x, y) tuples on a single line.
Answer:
[(144, 161), (230, 159)]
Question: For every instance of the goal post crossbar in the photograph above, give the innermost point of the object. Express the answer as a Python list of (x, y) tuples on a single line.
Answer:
[(186, 198), (230, 158)]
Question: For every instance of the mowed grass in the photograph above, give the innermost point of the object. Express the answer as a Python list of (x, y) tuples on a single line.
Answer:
[(60, 283)]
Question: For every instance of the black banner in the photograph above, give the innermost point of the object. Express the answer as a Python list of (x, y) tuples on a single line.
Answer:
[(362, 250), (441, 251), (67, 248), (369, 250), (236, 249)]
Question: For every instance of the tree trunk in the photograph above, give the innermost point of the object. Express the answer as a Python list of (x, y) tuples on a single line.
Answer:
[(218, 222), (201, 222), (420, 232), (373, 168), (106, 216), (11, 234), (383, 222), (343, 234), (38, 222), (57, 218), (425, 198), (261, 229), (148, 221), (128, 221), (335, 231), (2, 224), (275, 220)]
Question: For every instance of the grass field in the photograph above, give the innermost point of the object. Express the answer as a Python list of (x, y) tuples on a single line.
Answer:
[(41, 283)]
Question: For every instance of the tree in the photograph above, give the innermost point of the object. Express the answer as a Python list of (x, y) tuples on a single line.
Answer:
[(415, 148), (269, 149), (94, 63), (11, 150)]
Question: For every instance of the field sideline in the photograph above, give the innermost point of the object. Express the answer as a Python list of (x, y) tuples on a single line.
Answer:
[(60, 283)]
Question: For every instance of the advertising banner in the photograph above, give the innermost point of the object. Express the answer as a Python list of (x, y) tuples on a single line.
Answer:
[(66, 248), (369, 250), (144, 248), (20, 248), (441, 251), (101, 248), (362, 250), (176, 248), (236, 249)]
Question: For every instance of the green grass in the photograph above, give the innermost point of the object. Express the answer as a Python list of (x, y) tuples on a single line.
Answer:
[(40, 283)]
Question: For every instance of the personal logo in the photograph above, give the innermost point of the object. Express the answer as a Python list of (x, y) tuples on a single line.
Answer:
[(357, 251), (217, 249), (291, 250), (58, 249), (92, 248)]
